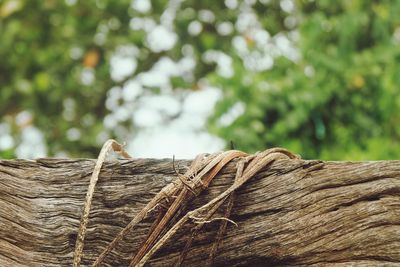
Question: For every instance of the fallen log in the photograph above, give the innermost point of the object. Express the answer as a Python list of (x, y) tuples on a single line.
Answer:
[(294, 213)]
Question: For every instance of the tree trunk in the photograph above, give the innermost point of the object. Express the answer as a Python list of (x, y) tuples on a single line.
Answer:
[(294, 213)]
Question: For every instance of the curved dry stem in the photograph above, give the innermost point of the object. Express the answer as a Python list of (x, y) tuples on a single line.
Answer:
[(168, 191), (89, 196), (199, 184), (257, 163)]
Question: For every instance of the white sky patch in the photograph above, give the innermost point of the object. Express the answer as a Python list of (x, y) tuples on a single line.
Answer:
[(100, 38), (102, 137), (122, 113), (146, 24), (110, 122), (261, 37), (396, 35), (164, 104), (185, 136), (246, 21), (113, 97), (233, 113), (122, 67), (250, 2), (166, 66), (168, 16), (76, 52), (131, 90), (257, 61), (113, 23), (224, 62), (290, 22), (161, 39), (147, 118), (153, 79), (71, 2), (169, 68), (6, 141), (186, 64), (73, 134), (286, 46), (225, 28), (161, 72), (69, 111), (262, 57), (224, 65), (141, 6), (231, 4), (32, 144), (168, 141), (23, 118), (187, 50), (123, 62), (309, 71), (239, 43), (195, 27), (206, 15), (202, 102), (88, 120), (191, 121), (154, 115), (287, 5), (5, 130), (88, 76)]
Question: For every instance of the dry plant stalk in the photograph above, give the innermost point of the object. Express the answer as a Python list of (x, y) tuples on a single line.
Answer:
[(166, 193), (184, 196), (116, 147), (201, 172), (257, 162)]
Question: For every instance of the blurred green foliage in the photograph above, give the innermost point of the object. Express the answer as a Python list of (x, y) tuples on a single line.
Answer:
[(328, 88), (341, 100)]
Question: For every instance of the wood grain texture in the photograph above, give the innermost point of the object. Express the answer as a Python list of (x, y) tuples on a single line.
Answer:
[(294, 213)]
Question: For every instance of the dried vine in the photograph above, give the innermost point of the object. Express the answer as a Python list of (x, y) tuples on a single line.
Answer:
[(175, 196)]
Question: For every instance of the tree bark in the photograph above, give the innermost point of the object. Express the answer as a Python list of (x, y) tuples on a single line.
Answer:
[(293, 213)]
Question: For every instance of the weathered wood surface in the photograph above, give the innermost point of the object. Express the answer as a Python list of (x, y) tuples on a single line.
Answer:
[(297, 213)]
